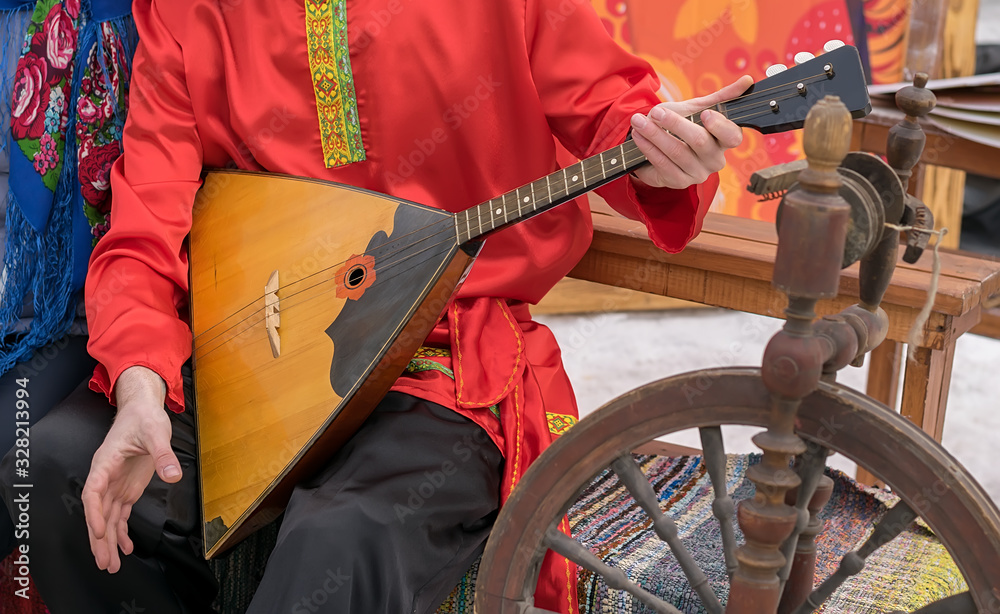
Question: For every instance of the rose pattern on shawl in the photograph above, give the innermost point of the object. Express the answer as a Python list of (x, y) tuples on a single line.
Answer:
[(86, 85), (95, 175), (101, 229), (37, 45), (31, 98), (42, 81), (100, 114), (60, 42), (87, 111), (107, 108), (42, 107), (117, 56)]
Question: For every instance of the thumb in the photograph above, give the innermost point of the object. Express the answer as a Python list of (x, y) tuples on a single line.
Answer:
[(167, 465), (733, 90)]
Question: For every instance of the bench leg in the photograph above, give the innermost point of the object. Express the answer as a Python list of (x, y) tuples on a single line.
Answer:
[(883, 372), (925, 389), (883, 385)]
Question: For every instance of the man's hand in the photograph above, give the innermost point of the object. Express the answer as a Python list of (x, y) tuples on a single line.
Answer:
[(137, 444), (682, 153)]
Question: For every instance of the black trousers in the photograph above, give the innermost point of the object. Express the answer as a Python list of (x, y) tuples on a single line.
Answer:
[(164, 574), (389, 525), (50, 374)]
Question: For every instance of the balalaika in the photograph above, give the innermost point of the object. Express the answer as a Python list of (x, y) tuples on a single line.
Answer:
[(302, 323)]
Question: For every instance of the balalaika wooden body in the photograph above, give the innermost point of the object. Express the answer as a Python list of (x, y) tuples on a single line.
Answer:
[(348, 281), (309, 298)]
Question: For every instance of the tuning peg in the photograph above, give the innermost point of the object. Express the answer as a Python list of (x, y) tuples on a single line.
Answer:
[(832, 44), (803, 56), (774, 69)]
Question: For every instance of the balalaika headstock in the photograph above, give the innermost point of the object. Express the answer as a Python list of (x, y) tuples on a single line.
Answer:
[(775, 104), (781, 102)]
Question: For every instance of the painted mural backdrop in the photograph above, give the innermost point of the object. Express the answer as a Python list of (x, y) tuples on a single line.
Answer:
[(698, 46)]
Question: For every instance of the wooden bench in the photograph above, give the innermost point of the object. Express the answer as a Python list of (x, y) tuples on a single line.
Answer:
[(942, 148), (730, 265)]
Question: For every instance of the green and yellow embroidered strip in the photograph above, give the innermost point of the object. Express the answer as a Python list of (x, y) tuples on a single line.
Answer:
[(419, 364), (559, 423), (333, 82)]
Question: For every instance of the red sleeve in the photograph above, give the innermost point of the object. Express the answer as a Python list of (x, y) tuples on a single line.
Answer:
[(590, 87), (137, 284)]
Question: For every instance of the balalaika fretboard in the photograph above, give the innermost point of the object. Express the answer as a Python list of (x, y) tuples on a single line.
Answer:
[(555, 189)]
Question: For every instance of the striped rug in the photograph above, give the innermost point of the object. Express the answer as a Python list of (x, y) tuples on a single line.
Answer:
[(911, 571)]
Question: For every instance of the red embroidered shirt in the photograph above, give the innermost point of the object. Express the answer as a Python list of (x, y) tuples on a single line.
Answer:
[(457, 102)]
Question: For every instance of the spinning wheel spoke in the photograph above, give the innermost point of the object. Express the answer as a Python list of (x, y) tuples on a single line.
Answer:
[(723, 507), (962, 603), (573, 550), (810, 470), (895, 521), (635, 481)]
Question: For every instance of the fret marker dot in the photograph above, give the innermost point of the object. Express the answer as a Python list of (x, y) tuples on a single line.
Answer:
[(526, 199), (499, 211), (575, 177), (614, 160)]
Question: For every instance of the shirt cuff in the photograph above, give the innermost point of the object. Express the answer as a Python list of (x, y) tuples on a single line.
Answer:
[(104, 382), (673, 217)]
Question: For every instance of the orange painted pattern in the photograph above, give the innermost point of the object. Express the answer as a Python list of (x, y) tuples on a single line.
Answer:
[(886, 21), (697, 46)]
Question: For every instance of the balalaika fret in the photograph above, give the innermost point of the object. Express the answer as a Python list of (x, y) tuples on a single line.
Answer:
[(351, 302)]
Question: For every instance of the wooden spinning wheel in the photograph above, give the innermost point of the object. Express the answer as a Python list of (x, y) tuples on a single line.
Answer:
[(895, 450), (829, 219)]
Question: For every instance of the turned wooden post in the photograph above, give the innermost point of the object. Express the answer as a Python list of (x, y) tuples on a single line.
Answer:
[(904, 146), (903, 149), (807, 268), (800, 581), (906, 139)]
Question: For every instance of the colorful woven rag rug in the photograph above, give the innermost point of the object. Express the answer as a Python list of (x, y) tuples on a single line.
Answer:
[(911, 571)]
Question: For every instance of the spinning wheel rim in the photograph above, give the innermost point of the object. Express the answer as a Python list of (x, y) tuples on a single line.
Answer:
[(954, 506)]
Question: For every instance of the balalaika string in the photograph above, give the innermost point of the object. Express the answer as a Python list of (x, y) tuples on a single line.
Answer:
[(736, 111)]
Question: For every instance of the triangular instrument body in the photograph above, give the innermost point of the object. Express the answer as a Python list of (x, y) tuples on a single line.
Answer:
[(300, 291)]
